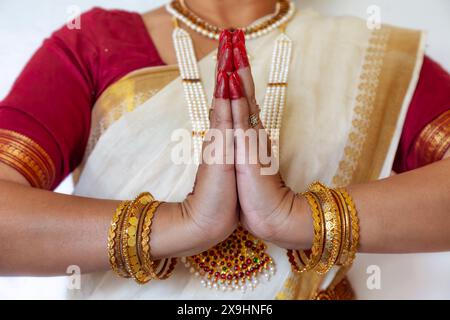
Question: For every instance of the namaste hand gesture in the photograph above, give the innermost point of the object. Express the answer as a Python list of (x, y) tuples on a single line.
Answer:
[(267, 205)]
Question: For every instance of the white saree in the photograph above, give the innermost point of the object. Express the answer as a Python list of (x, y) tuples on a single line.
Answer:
[(349, 88)]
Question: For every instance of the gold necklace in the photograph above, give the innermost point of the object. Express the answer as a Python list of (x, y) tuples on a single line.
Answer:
[(283, 13)]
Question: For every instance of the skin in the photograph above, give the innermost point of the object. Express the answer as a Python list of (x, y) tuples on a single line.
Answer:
[(42, 232)]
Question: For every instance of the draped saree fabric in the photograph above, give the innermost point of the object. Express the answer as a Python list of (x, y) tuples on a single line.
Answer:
[(348, 92)]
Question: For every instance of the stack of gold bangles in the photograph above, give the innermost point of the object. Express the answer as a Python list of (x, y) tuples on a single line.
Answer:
[(129, 242), (336, 231)]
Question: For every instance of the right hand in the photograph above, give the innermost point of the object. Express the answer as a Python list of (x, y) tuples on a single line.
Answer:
[(212, 207)]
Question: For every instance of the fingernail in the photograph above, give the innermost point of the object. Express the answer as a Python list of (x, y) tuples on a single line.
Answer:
[(238, 36), (240, 56), (222, 90), (235, 87), (225, 62)]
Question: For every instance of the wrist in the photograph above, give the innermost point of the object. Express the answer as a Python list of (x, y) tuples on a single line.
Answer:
[(295, 230), (174, 234)]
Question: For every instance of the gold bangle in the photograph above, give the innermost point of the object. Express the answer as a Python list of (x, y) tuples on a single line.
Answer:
[(114, 237), (302, 261), (165, 267), (345, 227), (354, 222), (147, 262), (129, 233), (332, 227)]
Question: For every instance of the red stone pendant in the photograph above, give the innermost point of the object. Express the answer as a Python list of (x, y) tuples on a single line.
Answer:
[(235, 264)]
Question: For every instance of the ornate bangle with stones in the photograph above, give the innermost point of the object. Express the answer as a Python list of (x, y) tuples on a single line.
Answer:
[(114, 238), (167, 269), (354, 226), (332, 226)]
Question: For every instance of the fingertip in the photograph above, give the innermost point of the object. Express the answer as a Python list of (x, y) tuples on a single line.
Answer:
[(240, 56), (222, 90), (225, 58), (235, 86), (238, 36), (226, 36)]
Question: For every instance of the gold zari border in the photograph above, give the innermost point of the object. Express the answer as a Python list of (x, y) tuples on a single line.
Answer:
[(388, 68), (434, 140), (28, 158)]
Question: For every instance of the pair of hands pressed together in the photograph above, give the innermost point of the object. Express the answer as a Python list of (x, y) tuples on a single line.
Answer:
[(227, 194)]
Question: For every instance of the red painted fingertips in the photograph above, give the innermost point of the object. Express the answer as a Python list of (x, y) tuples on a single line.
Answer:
[(222, 90), (235, 86), (225, 37), (225, 58), (238, 36), (240, 55)]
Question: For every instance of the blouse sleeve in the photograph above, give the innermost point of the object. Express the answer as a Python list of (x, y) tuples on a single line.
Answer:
[(426, 133), (45, 119)]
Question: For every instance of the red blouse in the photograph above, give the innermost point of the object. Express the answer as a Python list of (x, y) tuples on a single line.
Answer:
[(51, 101)]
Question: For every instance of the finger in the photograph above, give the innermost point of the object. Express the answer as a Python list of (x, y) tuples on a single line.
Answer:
[(239, 105), (246, 140), (222, 118), (242, 65), (225, 53), (218, 147)]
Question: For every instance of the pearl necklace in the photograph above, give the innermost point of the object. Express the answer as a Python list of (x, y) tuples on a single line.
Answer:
[(237, 262), (283, 13)]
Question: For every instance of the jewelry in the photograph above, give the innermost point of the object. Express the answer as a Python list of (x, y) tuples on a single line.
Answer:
[(345, 224), (144, 239), (284, 12), (332, 227), (193, 88), (115, 258), (275, 98), (168, 268), (199, 115), (129, 241), (354, 222), (302, 261), (234, 264), (253, 120)]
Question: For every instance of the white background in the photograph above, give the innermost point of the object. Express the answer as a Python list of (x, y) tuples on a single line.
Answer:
[(25, 23)]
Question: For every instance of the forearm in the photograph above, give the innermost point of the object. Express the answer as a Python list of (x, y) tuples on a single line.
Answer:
[(404, 213), (42, 232)]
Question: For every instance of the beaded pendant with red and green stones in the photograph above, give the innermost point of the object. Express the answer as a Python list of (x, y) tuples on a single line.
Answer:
[(237, 263)]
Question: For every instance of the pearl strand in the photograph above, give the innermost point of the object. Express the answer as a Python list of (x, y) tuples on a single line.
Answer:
[(262, 26), (193, 88), (275, 98), (271, 115)]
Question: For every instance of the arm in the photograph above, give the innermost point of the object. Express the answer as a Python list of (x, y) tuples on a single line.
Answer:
[(43, 232), (405, 213)]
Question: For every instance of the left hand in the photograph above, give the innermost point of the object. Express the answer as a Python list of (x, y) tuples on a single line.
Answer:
[(269, 209)]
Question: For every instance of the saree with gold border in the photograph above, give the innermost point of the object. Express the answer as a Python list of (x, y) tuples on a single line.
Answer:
[(348, 92)]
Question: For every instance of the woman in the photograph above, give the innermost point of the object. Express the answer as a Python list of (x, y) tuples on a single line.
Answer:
[(107, 99)]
